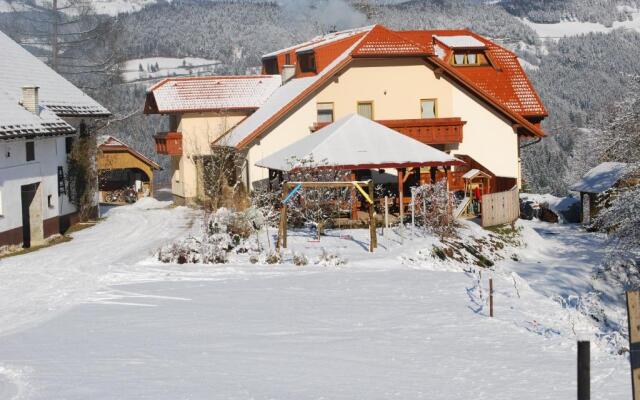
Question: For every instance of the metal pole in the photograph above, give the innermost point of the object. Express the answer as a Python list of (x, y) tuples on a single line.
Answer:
[(584, 370)]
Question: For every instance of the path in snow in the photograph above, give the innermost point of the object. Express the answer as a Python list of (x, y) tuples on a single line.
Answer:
[(38, 285)]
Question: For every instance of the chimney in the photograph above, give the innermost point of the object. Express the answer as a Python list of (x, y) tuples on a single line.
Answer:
[(288, 72), (30, 99)]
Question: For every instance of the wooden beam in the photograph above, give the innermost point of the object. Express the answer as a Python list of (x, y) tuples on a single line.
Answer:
[(372, 220), (633, 316)]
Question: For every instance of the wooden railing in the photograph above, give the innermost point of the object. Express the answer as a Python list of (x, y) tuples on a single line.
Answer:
[(425, 130)]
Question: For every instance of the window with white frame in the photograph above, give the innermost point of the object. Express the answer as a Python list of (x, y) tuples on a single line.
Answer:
[(325, 113), (428, 108)]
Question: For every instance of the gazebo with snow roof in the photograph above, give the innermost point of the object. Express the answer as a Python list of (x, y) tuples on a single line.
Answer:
[(358, 143)]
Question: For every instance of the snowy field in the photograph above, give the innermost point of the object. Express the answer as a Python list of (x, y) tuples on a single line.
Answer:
[(99, 318), (168, 67)]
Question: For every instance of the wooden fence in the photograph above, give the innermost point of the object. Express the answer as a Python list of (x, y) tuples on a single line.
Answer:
[(500, 208)]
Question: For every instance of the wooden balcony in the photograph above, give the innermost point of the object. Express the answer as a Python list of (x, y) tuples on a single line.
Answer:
[(425, 130), (169, 143), (429, 130)]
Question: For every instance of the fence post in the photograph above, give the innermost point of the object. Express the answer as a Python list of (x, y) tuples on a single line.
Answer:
[(584, 370), (372, 219), (633, 321), (386, 212), (413, 212), (491, 297)]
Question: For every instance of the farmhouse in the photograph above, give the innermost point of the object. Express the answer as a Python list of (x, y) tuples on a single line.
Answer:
[(121, 167), (40, 115), (450, 89)]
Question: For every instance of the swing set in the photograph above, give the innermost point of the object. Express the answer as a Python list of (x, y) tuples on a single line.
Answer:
[(290, 189)]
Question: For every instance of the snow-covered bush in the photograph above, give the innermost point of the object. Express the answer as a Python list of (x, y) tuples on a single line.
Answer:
[(329, 259), (433, 208), (300, 259), (223, 231)]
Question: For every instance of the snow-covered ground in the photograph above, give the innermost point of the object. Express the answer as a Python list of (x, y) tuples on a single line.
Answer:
[(167, 67), (99, 318), (575, 28)]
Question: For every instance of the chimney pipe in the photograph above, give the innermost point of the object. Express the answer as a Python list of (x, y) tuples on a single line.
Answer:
[(30, 99), (288, 72)]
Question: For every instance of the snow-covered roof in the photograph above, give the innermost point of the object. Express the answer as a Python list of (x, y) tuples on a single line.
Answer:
[(213, 93), (321, 40), (601, 178), (281, 97), (355, 142), (460, 41), (472, 173), (20, 68), (17, 122)]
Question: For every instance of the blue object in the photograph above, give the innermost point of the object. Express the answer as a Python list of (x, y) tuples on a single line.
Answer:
[(292, 193)]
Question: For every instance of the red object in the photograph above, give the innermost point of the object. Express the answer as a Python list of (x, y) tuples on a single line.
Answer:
[(169, 143), (477, 194)]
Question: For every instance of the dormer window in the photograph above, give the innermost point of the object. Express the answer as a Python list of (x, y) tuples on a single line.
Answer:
[(270, 66), (307, 62), (469, 58)]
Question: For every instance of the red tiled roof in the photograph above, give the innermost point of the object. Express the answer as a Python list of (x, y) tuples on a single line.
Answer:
[(210, 93), (505, 87), (382, 42)]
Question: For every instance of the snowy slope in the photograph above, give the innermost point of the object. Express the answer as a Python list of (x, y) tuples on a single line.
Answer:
[(167, 66), (575, 28)]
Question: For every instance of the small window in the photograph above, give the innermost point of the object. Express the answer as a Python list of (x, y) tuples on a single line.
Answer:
[(365, 109), (68, 144), (50, 201), (470, 59), (270, 66), (1, 207), (428, 108), (287, 59), (307, 62), (458, 59), (325, 113), (31, 151)]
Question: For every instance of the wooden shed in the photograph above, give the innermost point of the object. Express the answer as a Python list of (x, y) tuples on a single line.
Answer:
[(595, 186), (120, 168)]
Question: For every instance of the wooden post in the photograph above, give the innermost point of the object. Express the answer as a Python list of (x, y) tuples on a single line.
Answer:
[(633, 319), (354, 199), (401, 192), (491, 297), (386, 212), (584, 367), (282, 234), (413, 212), (372, 219)]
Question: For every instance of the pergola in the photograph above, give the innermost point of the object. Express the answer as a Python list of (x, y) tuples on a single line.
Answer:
[(358, 143)]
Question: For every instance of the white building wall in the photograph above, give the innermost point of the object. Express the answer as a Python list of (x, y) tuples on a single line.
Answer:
[(15, 172)]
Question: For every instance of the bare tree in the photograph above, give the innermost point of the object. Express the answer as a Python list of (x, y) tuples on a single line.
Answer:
[(70, 35)]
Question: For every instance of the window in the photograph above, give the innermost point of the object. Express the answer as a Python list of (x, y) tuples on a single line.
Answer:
[(1, 208), (287, 59), (428, 108), (325, 113), (31, 151), (365, 109), (68, 144), (270, 66), (50, 201), (307, 62), (470, 59)]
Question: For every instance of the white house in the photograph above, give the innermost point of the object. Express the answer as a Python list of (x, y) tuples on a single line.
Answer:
[(40, 114)]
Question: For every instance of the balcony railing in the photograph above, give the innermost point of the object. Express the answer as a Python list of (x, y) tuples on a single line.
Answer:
[(429, 130), (169, 143), (425, 130)]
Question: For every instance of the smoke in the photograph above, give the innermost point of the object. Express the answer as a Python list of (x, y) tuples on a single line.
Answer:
[(326, 14)]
